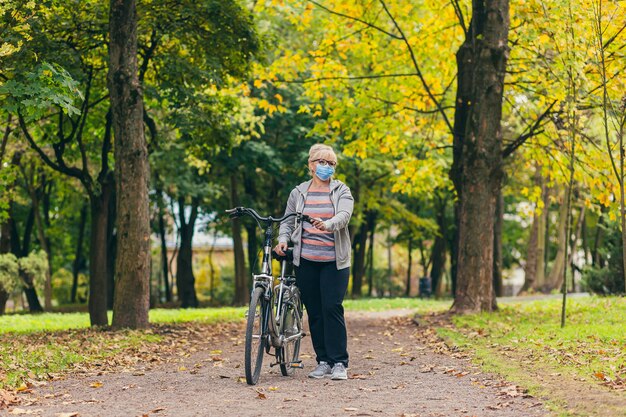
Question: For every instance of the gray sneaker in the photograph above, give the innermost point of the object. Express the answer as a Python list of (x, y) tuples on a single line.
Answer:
[(320, 371), (339, 372)]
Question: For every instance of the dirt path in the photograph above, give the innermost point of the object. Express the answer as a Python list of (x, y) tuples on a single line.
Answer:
[(392, 373)]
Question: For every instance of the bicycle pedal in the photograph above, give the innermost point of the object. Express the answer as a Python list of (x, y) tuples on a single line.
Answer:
[(297, 364)]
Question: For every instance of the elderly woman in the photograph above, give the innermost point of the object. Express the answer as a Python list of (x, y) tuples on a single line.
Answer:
[(321, 254)]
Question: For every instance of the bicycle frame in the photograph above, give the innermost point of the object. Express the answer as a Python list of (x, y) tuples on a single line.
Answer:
[(273, 296)]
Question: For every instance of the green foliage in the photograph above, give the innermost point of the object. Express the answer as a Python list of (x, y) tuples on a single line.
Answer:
[(9, 276), (35, 265), (62, 286), (35, 93), (610, 278)]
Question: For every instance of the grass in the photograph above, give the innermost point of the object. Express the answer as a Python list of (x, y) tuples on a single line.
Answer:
[(39, 355), (525, 339), (420, 306), (51, 322), (592, 344)]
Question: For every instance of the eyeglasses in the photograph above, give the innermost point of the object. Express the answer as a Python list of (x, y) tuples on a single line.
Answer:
[(324, 162)]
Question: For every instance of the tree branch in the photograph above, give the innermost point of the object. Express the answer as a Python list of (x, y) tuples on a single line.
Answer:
[(459, 15), (60, 166), (417, 68), (394, 36), (532, 131), (353, 78), (106, 148), (79, 134), (5, 138)]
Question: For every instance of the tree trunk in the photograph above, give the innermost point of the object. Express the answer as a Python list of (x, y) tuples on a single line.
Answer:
[(251, 228), (132, 266), (43, 241), (438, 254), (477, 154), (111, 237), (21, 250), (358, 264), (185, 280), (536, 241), (596, 258), (543, 235), (622, 203), (555, 280), (497, 248), (79, 260), (35, 193), (574, 243), (389, 260), (241, 290), (253, 249), (5, 247), (407, 292), (212, 273), (371, 220), (98, 258), (165, 273)]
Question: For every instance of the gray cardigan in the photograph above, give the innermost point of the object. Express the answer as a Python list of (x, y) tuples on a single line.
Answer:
[(343, 203)]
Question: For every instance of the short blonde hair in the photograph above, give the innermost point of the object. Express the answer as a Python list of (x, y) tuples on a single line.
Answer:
[(321, 151)]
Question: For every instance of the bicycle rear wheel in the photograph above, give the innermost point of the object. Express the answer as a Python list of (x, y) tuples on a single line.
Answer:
[(289, 353), (255, 337)]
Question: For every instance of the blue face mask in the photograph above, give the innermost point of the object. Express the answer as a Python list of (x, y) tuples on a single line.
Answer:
[(324, 172)]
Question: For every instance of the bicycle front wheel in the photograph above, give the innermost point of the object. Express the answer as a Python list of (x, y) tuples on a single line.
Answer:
[(290, 351), (255, 337)]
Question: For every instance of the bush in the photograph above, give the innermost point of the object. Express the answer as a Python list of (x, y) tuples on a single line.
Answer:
[(9, 278), (610, 278)]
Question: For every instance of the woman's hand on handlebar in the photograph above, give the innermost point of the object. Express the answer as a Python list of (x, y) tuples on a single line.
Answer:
[(281, 248), (318, 224)]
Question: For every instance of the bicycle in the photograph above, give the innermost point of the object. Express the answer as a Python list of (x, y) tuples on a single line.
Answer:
[(266, 328)]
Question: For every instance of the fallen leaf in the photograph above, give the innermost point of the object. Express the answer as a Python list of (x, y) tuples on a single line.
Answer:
[(600, 375), (66, 415), (96, 384), (261, 396)]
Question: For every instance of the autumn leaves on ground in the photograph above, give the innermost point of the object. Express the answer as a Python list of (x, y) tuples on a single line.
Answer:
[(402, 363)]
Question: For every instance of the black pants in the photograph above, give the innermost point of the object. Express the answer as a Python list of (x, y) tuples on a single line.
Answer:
[(323, 288)]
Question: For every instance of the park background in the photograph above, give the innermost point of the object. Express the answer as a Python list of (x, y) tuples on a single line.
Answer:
[(482, 142), (234, 94)]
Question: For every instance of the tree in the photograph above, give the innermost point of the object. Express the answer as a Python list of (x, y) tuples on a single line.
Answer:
[(132, 268), (477, 167)]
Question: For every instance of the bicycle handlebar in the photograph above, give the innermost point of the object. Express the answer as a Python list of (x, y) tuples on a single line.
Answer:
[(242, 211)]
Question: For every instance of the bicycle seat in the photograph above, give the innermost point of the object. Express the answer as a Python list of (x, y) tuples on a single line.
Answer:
[(288, 255)]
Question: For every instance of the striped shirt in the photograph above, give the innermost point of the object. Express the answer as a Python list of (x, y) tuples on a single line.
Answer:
[(318, 245)]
